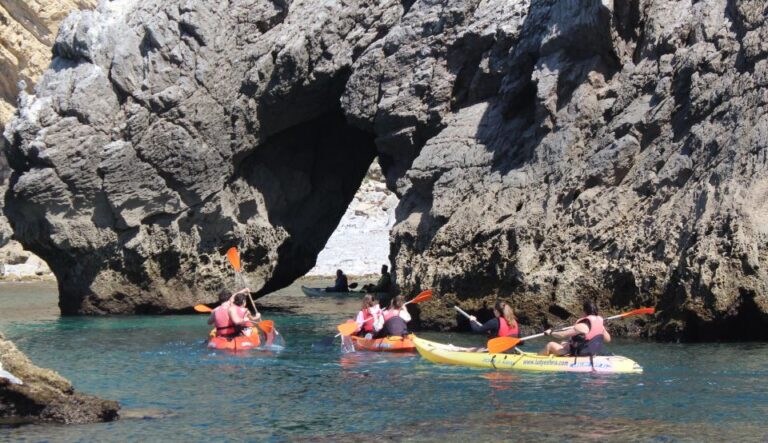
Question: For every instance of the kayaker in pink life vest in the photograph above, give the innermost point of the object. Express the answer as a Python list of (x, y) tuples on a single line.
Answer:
[(503, 323), (370, 319), (586, 337), (396, 319), (221, 317), (241, 317)]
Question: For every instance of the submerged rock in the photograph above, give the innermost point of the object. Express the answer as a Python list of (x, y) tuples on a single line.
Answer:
[(544, 152), (30, 394)]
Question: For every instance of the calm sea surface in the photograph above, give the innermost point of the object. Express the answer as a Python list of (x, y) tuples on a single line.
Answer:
[(160, 371)]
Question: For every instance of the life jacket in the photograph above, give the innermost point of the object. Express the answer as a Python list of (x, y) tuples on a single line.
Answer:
[(507, 331), (368, 324), (390, 313), (224, 325), (590, 343)]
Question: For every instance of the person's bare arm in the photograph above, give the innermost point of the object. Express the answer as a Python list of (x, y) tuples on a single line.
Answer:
[(606, 336), (579, 328)]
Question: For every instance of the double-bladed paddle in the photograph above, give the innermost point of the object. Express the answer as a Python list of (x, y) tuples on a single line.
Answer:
[(233, 255), (350, 327), (501, 344)]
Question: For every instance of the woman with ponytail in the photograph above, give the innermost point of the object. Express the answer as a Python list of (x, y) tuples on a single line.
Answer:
[(503, 323)]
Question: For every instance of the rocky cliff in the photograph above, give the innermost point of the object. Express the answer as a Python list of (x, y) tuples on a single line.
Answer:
[(27, 32), (543, 151)]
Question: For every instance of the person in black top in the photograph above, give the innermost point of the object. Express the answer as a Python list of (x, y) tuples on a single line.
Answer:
[(384, 284), (503, 323), (341, 283)]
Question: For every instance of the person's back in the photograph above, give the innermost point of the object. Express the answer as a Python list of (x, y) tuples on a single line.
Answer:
[(384, 284), (591, 341), (396, 319), (220, 317), (585, 337)]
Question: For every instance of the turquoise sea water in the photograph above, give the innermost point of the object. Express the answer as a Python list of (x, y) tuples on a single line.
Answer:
[(158, 367)]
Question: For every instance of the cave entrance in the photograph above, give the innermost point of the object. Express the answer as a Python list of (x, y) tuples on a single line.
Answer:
[(360, 243)]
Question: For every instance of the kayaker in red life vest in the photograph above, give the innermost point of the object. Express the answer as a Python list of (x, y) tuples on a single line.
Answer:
[(503, 324), (229, 317), (370, 319), (396, 319), (586, 337)]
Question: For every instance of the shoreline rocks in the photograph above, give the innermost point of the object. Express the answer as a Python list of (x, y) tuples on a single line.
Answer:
[(33, 394)]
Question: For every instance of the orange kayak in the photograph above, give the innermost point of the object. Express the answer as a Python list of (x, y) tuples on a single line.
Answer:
[(386, 344), (239, 343)]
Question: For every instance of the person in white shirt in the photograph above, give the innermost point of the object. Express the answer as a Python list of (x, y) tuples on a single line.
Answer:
[(370, 319)]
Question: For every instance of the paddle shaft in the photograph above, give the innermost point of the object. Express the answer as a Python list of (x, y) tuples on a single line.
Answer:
[(246, 284), (461, 311)]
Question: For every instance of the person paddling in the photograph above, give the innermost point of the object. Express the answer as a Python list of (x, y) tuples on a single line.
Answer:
[(240, 316), (503, 323), (384, 284), (370, 319), (220, 317), (396, 319), (341, 284), (586, 337)]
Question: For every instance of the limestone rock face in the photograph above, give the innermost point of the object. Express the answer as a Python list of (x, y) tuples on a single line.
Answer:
[(28, 392), (27, 31), (545, 152), (166, 132), (579, 149)]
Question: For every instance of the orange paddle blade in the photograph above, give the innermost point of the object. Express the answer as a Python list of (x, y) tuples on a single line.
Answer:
[(267, 326), (501, 344), (640, 311), (202, 308), (234, 258), (348, 328), (422, 297)]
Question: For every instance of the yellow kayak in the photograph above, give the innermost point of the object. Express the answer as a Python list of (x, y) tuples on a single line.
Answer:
[(524, 361)]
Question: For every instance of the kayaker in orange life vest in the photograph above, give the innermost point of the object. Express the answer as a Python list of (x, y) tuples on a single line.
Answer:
[(503, 324), (586, 337), (231, 316), (370, 319)]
